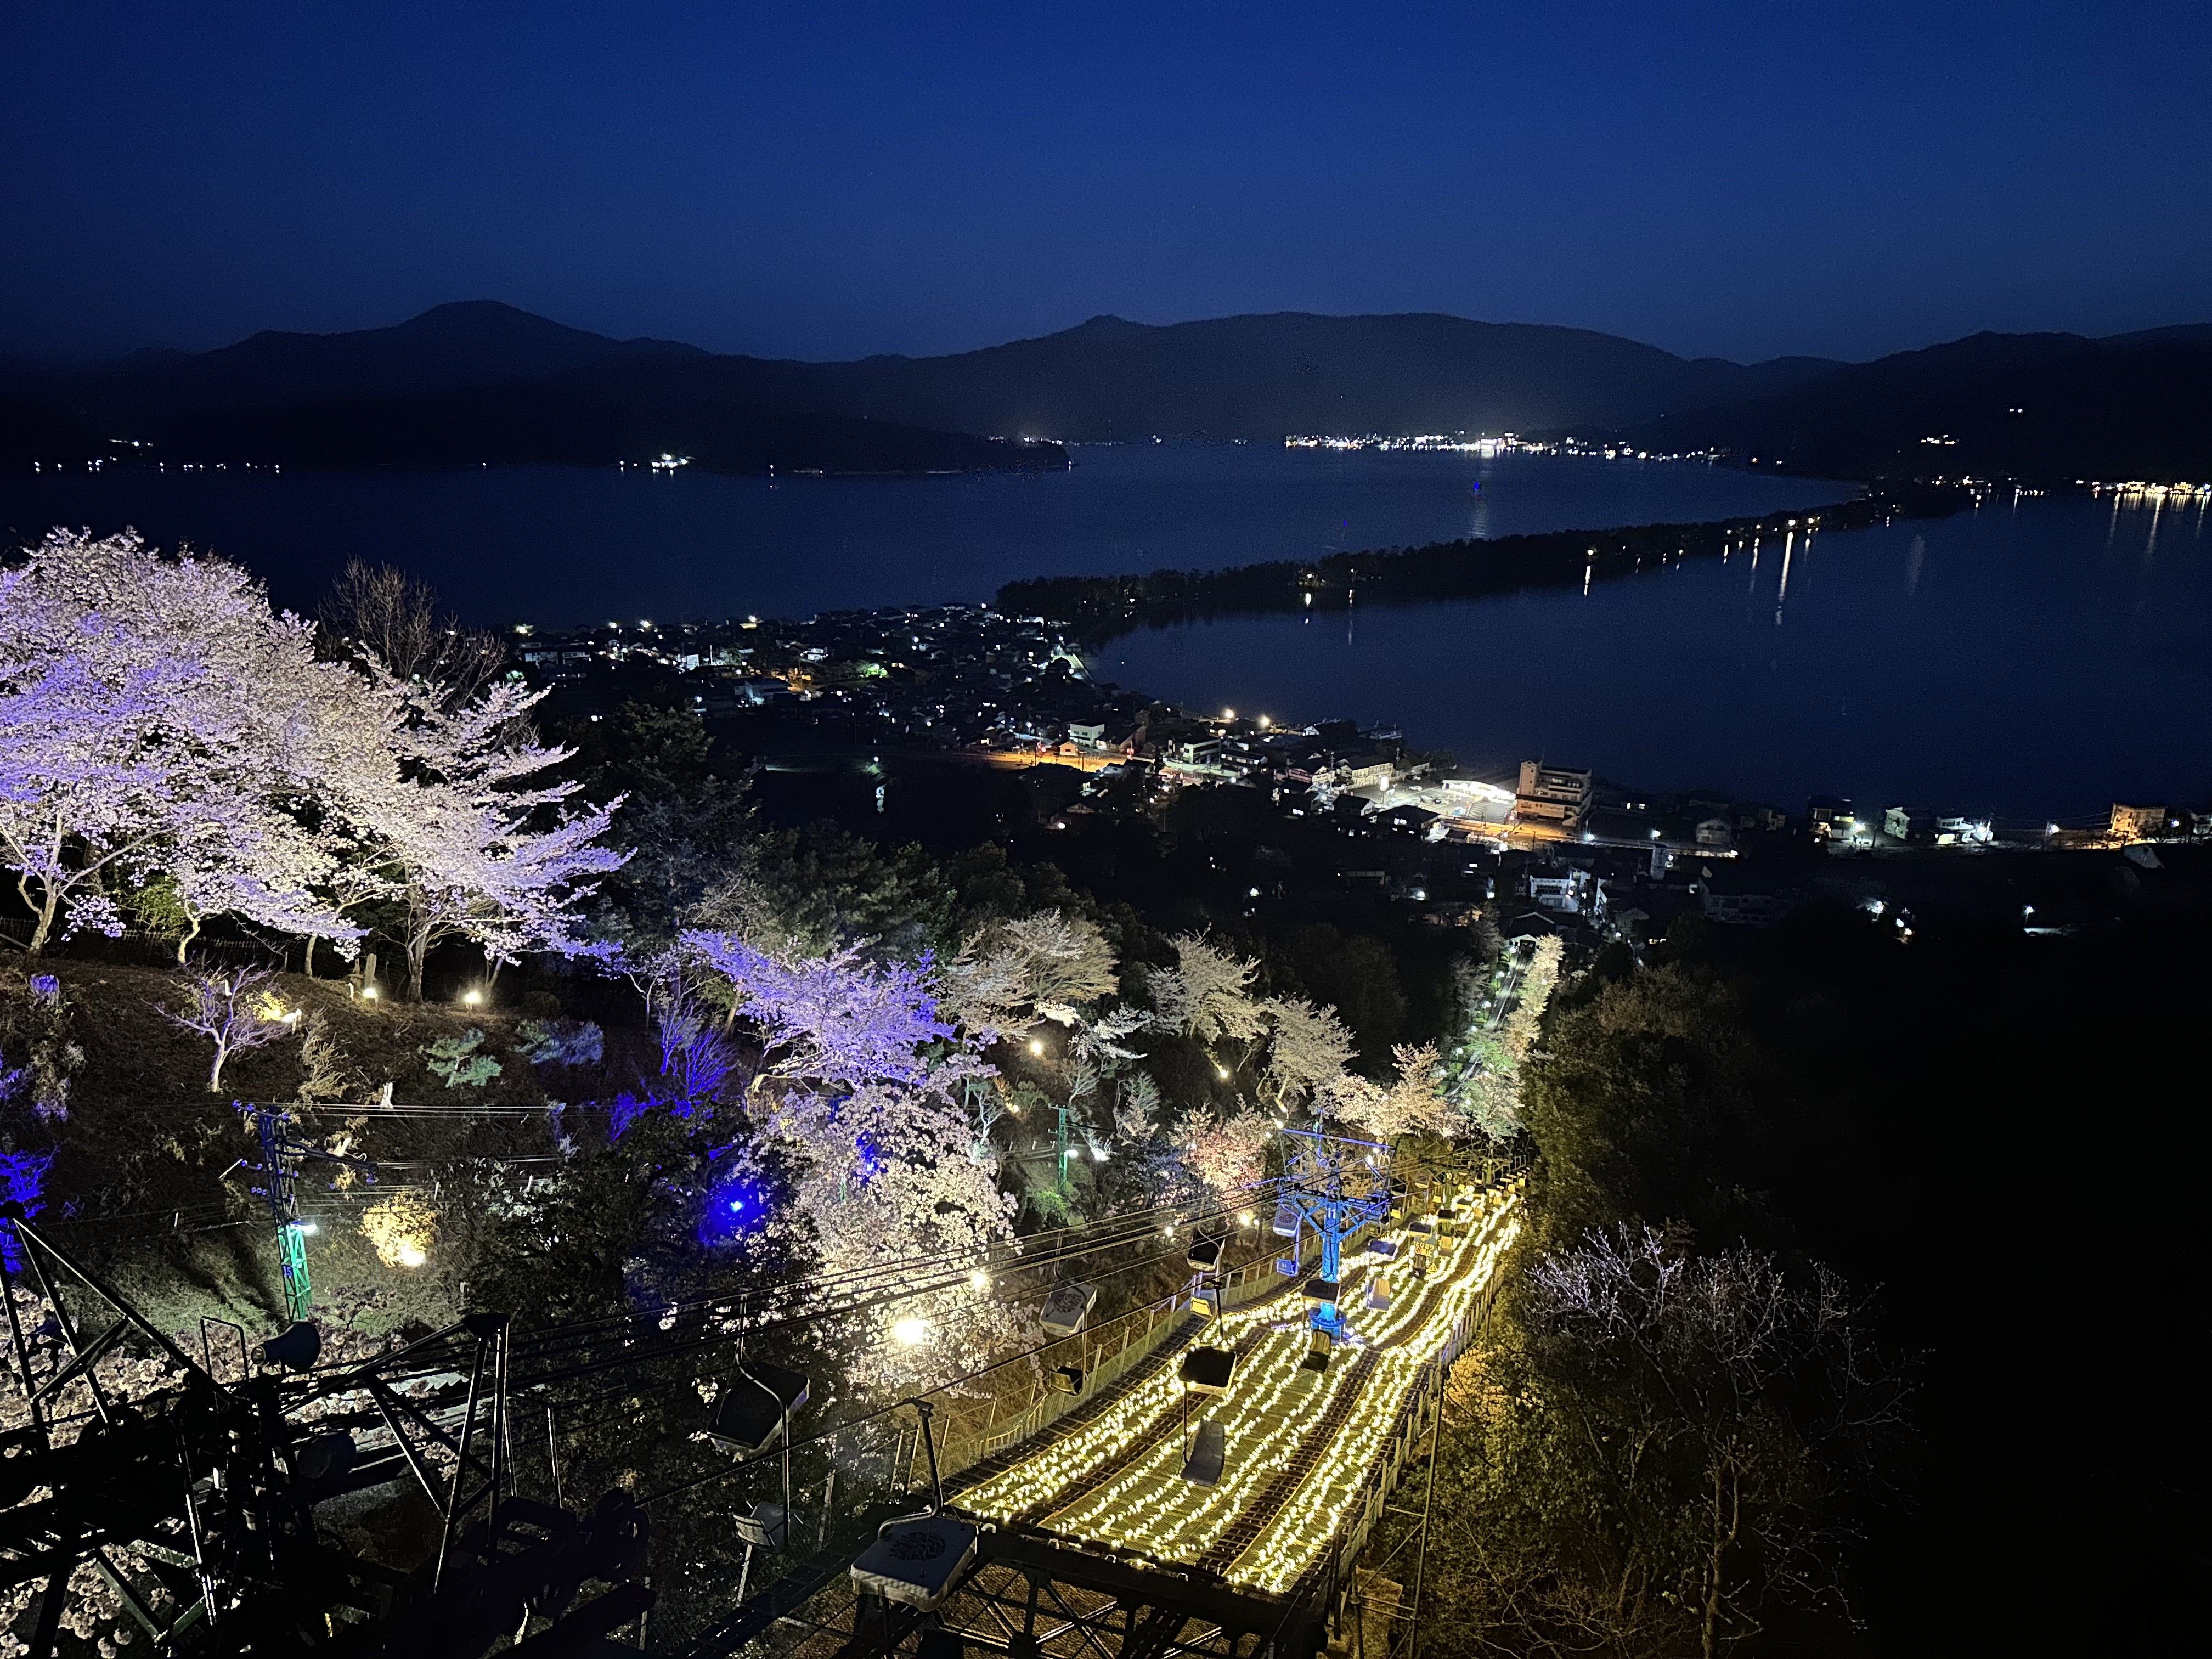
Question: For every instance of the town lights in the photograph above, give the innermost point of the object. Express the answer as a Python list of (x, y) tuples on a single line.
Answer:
[(910, 1331)]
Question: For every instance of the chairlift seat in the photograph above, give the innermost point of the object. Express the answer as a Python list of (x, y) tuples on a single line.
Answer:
[(1208, 1370), (1209, 1454), (752, 1407), (1322, 1290), (1065, 1379), (1204, 1254), (1286, 1220), (916, 1562), (765, 1526), (1066, 1308)]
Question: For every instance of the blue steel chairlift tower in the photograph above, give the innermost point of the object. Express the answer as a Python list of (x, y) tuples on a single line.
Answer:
[(1336, 1185)]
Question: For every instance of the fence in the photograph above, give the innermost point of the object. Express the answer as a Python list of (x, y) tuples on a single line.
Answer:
[(1421, 1415), (135, 948)]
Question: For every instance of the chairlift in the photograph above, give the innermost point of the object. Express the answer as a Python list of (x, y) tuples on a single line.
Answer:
[(1319, 1345), (1378, 1294), (916, 1561), (765, 1526), (1321, 1289), (1286, 1219), (1287, 1266), (1204, 1254), (1065, 1379), (752, 1407), (1066, 1308), (1208, 1371), (1209, 1454), (1206, 1303), (1381, 1250)]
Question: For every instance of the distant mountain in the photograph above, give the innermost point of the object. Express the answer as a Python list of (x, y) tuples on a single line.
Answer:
[(1263, 377), (464, 385), (484, 382), (2048, 407), (481, 381)]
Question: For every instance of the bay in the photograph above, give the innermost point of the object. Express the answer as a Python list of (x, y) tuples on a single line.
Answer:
[(2038, 658), (555, 546)]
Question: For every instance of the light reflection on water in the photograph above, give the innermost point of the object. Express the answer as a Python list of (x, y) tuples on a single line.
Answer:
[(2040, 657), (560, 546)]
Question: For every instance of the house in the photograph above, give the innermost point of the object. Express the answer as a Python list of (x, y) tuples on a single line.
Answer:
[(1552, 794), (1569, 892), (1743, 898), (1715, 832), (1908, 823), (2138, 823), (1365, 772)]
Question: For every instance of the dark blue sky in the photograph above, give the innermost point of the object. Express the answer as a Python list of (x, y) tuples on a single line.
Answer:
[(824, 180)]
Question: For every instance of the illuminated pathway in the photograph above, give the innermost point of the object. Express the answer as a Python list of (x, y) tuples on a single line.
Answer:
[(1301, 1443)]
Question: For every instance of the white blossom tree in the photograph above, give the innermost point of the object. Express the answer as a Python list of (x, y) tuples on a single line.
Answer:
[(1208, 995), (1414, 1103), (478, 845), (1308, 1049), (860, 1088), (233, 1009), (1227, 1153), (1046, 966), (157, 719)]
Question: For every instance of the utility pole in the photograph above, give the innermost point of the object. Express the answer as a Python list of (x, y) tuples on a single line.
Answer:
[(278, 1169)]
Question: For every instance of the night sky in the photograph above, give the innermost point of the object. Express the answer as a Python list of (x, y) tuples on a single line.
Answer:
[(829, 181)]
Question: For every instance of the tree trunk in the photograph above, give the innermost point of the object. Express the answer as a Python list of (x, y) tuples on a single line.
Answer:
[(215, 1071), (312, 940), (418, 948), (186, 939), (44, 911)]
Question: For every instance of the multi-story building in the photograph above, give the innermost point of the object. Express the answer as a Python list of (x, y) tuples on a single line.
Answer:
[(1552, 794)]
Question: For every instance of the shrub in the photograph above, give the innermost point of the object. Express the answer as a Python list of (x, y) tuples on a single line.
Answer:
[(456, 1059)]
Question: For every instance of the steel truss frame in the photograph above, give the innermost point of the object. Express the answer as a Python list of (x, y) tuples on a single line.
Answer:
[(192, 1507), (1029, 1597)]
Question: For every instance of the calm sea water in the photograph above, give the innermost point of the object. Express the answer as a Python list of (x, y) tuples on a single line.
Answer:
[(2038, 658), (562, 545)]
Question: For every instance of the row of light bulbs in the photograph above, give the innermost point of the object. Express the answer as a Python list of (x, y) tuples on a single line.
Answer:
[(1324, 1502), (1275, 1407)]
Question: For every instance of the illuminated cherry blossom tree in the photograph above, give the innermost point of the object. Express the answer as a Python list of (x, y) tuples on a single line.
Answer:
[(233, 1009), (1047, 966), (157, 719), (1207, 994), (1230, 1153), (1308, 1049), (479, 845), (860, 1089)]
